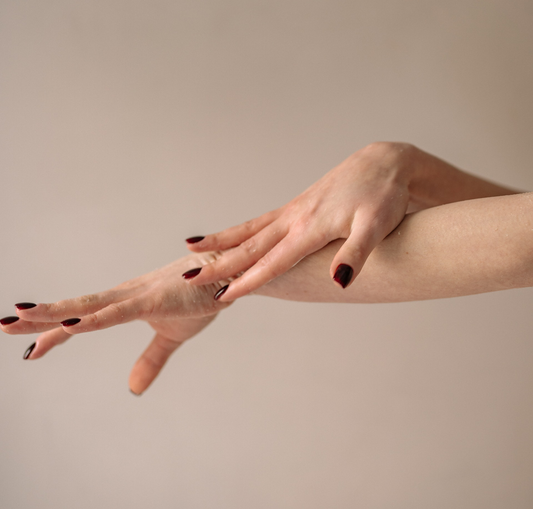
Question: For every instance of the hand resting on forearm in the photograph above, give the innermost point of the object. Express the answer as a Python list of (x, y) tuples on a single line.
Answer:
[(462, 248), (457, 249), (362, 200)]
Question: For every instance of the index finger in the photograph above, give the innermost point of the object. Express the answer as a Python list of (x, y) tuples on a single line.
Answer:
[(232, 237), (63, 309)]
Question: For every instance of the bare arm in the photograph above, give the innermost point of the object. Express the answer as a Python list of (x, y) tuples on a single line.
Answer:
[(362, 200), (457, 249)]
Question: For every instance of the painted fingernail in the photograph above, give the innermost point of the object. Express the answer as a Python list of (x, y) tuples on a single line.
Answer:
[(28, 352), (221, 292), (191, 273), (9, 319), (70, 322), (25, 305), (194, 240), (343, 275)]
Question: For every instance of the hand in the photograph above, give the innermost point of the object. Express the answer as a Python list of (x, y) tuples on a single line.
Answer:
[(361, 200), (175, 310)]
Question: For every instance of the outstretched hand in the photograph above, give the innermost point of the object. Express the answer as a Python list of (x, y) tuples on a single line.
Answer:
[(175, 310), (361, 200)]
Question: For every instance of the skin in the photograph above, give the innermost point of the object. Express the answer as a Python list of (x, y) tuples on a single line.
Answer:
[(462, 248), (361, 200)]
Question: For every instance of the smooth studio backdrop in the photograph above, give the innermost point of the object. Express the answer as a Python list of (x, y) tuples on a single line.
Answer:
[(127, 126)]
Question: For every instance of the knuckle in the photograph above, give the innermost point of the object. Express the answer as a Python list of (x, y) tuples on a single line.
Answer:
[(54, 310), (269, 267), (115, 308), (357, 253), (249, 246), (50, 310), (92, 298), (249, 225), (381, 146), (150, 307), (112, 312), (301, 225), (212, 241), (388, 149), (156, 364), (248, 228)]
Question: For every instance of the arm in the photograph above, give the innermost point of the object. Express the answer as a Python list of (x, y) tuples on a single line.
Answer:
[(362, 200), (458, 249)]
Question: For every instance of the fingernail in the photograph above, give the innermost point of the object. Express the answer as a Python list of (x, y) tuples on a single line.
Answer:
[(343, 275), (221, 292), (191, 273), (9, 319), (134, 393), (28, 352), (194, 240), (25, 305), (70, 322)]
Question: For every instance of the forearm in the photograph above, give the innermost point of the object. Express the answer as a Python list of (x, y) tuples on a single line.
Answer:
[(435, 182), (458, 249)]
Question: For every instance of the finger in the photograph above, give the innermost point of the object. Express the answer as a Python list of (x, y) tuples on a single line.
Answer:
[(242, 257), (47, 341), (114, 314), (151, 362), (367, 232), (233, 236), (276, 262), (63, 309), (14, 325)]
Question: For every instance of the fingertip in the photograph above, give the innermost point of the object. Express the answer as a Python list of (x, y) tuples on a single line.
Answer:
[(229, 293), (25, 305), (141, 377), (198, 244), (28, 352), (190, 274), (344, 275), (8, 320), (221, 292), (70, 322), (195, 240), (203, 275)]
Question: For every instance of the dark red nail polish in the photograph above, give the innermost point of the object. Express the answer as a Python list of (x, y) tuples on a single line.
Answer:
[(221, 292), (25, 305), (343, 275), (70, 322), (28, 352), (9, 319), (191, 273), (194, 240)]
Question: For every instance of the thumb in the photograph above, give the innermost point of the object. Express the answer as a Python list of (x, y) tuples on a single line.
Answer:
[(349, 260), (151, 362)]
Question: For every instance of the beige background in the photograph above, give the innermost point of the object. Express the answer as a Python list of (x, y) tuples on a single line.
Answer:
[(127, 126)]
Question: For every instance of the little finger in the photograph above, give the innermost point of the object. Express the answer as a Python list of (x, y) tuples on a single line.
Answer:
[(47, 341)]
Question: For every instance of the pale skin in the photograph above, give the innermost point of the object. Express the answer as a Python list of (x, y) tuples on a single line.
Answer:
[(362, 200), (462, 248)]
